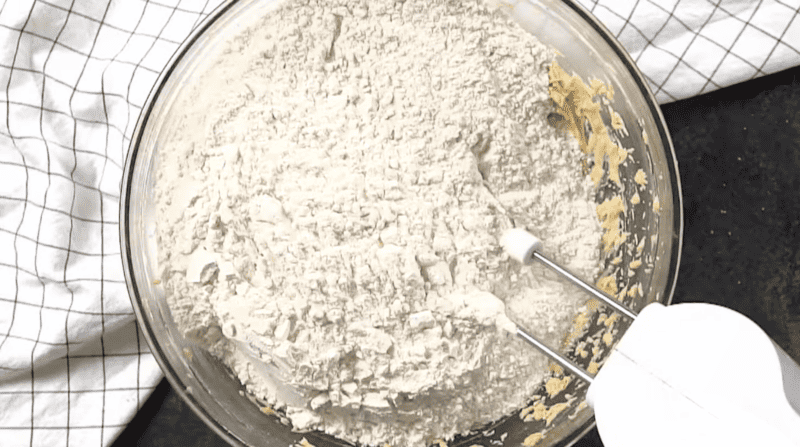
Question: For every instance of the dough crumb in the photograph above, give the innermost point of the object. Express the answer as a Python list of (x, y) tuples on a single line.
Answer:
[(609, 214), (555, 385), (640, 178), (532, 440), (608, 284), (574, 101)]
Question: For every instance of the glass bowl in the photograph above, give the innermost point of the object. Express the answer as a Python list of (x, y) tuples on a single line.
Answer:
[(585, 48)]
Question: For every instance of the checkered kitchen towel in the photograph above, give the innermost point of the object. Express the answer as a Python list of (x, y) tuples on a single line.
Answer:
[(689, 47), (74, 75)]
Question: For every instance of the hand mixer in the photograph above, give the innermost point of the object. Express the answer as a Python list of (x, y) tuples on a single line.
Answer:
[(686, 375)]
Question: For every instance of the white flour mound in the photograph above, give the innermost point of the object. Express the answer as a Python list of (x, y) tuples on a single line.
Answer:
[(332, 202)]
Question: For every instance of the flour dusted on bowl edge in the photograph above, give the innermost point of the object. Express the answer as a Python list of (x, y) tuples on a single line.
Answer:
[(331, 205)]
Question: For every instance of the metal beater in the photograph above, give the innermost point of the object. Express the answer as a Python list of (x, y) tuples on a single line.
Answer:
[(689, 375)]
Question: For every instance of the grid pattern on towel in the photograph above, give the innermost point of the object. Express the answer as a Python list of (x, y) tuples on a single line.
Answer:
[(690, 47), (74, 368)]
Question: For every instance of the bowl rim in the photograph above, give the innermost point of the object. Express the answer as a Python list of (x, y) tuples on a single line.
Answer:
[(138, 133), (124, 225)]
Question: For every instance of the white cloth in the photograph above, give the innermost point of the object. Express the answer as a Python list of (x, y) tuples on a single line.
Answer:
[(74, 368), (689, 47)]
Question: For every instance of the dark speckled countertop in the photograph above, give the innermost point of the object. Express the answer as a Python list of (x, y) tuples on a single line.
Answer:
[(738, 151)]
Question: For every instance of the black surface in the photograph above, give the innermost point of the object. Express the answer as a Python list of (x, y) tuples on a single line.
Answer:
[(739, 158)]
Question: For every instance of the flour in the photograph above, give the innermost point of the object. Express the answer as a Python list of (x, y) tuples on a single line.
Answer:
[(331, 205)]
